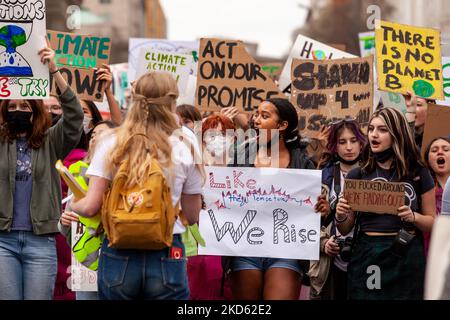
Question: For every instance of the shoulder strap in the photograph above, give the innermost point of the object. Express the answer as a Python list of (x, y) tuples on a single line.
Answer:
[(357, 215), (337, 190), (337, 179)]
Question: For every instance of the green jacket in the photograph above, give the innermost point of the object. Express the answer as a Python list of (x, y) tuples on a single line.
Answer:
[(46, 191)]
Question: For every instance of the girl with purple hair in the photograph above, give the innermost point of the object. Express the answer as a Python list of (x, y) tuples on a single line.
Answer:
[(329, 275)]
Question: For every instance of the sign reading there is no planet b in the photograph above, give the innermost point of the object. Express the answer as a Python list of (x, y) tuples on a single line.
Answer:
[(409, 59)]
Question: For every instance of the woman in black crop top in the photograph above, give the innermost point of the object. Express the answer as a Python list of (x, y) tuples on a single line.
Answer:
[(259, 278), (381, 267)]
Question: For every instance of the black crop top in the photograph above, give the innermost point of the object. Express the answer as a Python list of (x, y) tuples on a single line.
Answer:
[(372, 222)]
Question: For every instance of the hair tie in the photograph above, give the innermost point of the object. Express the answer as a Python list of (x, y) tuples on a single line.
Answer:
[(165, 100)]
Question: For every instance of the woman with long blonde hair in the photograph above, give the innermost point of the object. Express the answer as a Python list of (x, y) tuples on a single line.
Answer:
[(150, 131)]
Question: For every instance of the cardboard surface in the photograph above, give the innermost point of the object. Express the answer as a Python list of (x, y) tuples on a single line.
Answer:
[(310, 49), (77, 56), (329, 90), (228, 76), (436, 125), (374, 196)]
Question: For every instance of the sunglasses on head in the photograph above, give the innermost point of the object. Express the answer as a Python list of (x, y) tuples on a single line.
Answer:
[(339, 121)]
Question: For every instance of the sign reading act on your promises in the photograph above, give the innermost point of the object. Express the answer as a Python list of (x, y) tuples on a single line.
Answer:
[(228, 76)]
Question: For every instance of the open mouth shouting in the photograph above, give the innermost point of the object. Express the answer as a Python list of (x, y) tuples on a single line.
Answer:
[(441, 161), (375, 144)]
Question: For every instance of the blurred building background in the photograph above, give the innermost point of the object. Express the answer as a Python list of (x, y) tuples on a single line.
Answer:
[(118, 19), (336, 22), (340, 21)]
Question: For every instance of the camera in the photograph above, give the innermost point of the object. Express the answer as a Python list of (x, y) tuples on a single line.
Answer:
[(402, 241), (345, 248)]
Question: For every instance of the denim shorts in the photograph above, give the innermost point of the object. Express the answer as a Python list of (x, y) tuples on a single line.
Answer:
[(264, 264)]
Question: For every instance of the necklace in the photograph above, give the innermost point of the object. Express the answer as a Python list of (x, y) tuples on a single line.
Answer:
[(380, 176)]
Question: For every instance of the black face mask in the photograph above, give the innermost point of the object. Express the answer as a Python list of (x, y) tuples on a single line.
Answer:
[(19, 121), (350, 163), (384, 156)]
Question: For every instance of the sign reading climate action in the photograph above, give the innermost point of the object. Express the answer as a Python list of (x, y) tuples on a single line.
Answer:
[(374, 196), (179, 65), (229, 77), (330, 90), (76, 56), (409, 59)]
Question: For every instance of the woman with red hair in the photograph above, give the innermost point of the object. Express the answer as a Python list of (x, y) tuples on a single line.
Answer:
[(217, 135)]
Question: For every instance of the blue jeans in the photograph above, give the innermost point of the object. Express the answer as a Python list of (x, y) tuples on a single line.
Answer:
[(86, 295), (28, 266), (142, 274)]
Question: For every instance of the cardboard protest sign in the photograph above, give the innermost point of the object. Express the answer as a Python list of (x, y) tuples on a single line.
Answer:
[(374, 196), (76, 56), (273, 70), (179, 47), (446, 81), (409, 59), (179, 65), (229, 77), (330, 90), (251, 214), (22, 35), (436, 125), (339, 46), (306, 48), (82, 278), (367, 43)]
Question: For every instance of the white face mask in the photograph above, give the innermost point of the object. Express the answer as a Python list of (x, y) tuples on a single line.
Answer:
[(86, 124), (217, 146)]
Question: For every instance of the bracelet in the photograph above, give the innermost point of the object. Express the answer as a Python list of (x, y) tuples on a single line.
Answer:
[(57, 70), (341, 221), (414, 216)]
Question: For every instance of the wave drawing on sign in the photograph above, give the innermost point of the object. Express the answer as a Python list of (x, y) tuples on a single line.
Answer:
[(260, 195)]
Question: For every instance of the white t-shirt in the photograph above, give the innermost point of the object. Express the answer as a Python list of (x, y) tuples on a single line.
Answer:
[(185, 178), (446, 199)]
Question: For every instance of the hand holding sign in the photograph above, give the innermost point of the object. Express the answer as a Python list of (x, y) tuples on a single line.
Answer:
[(47, 56), (68, 217), (406, 214), (104, 74)]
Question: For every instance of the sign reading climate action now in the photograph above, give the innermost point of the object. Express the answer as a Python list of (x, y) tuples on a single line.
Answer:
[(77, 56), (229, 77), (374, 196), (409, 59)]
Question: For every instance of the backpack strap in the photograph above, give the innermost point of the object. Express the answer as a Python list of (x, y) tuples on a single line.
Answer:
[(337, 191), (357, 215)]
